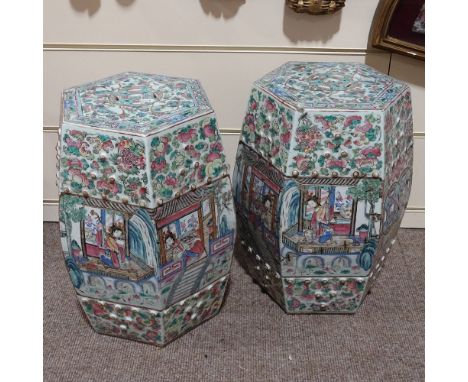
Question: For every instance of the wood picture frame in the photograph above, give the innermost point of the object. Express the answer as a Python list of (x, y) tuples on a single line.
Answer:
[(394, 27)]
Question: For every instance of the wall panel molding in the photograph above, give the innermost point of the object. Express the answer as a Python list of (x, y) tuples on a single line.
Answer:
[(208, 49)]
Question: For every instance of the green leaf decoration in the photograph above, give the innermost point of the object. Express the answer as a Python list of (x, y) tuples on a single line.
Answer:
[(72, 150), (76, 187), (203, 171), (217, 171), (104, 138), (371, 134)]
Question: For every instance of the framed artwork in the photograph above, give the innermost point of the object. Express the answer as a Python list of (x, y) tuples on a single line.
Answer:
[(400, 27)]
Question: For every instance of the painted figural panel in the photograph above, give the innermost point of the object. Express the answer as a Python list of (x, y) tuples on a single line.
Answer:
[(323, 175), (146, 208)]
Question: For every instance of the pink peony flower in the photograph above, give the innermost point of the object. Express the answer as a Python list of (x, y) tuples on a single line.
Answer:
[(216, 146), (364, 128), (128, 159), (123, 144), (74, 171), (151, 335), (286, 137), (74, 163), (104, 185), (334, 163), (76, 132), (212, 157), (365, 162), (371, 152), (71, 143), (140, 162), (295, 303), (113, 188), (158, 165), (270, 106), (208, 130), (78, 176), (301, 162), (349, 121), (187, 136), (107, 145), (97, 310), (323, 121), (348, 143), (171, 181), (249, 121), (190, 149), (286, 124)]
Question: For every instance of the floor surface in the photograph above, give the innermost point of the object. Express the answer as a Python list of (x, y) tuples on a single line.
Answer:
[(252, 339)]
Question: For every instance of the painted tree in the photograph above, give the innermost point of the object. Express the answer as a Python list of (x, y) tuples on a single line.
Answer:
[(71, 210), (368, 190), (222, 198)]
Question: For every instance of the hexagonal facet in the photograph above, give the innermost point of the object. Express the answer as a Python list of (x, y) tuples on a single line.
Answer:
[(322, 178), (146, 209), (150, 326), (138, 138)]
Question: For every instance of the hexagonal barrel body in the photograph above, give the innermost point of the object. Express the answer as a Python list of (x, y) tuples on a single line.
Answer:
[(322, 179), (146, 209)]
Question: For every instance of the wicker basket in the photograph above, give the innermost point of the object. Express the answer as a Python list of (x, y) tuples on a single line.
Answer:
[(316, 7)]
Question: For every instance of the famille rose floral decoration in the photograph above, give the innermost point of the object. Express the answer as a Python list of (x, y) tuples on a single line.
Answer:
[(322, 179), (146, 209)]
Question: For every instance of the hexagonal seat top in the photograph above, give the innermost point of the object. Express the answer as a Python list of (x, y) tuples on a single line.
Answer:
[(135, 102), (331, 85)]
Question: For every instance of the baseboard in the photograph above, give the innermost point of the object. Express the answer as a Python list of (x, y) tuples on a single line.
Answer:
[(414, 217), (50, 211)]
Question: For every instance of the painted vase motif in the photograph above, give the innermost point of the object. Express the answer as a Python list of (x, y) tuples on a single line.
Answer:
[(322, 179), (146, 210)]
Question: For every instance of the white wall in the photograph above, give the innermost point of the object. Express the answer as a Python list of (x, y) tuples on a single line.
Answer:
[(227, 44)]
